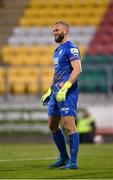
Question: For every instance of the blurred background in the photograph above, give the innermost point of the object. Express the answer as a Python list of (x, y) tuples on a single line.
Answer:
[(26, 64)]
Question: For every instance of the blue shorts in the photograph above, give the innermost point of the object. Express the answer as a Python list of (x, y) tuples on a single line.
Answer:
[(65, 108)]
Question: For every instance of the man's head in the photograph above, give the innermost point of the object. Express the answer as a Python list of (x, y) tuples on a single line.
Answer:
[(60, 31)]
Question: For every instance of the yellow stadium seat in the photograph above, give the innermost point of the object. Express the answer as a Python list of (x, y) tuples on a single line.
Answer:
[(34, 15), (21, 79), (47, 71), (82, 50), (46, 78), (33, 88), (26, 22), (46, 82), (2, 80), (2, 88), (18, 88), (35, 55)]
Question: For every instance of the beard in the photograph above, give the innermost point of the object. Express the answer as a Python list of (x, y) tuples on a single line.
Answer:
[(59, 38)]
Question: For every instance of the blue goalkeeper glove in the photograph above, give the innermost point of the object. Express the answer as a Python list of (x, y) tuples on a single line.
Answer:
[(61, 95), (46, 97)]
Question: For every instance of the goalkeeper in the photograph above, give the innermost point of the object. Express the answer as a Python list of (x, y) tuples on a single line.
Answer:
[(63, 96)]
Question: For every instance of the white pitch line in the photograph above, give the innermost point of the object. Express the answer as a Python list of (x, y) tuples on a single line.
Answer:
[(29, 159)]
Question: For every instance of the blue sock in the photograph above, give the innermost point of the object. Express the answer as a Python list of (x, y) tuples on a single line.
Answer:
[(74, 146), (58, 137)]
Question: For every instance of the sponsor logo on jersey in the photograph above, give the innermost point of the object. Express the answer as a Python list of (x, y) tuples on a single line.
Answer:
[(56, 61), (74, 51)]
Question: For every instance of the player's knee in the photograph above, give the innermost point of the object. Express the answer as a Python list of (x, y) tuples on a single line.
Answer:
[(53, 128), (70, 129), (69, 125)]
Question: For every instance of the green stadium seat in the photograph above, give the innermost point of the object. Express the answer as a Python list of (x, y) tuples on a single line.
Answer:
[(99, 58), (93, 80)]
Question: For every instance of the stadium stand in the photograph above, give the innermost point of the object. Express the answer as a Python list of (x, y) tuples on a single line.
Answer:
[(100, 52), (27, 42), (26, 52), (10, 13)]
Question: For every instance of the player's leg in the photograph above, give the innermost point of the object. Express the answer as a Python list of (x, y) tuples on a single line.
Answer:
[(69, 124), (59, 140), (57, 134), (68, 111)]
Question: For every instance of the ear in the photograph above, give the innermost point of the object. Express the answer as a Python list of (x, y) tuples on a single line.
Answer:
[(66, 31)]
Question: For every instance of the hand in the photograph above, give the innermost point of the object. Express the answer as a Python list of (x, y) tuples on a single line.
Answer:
[(61, 95), (46, 97)]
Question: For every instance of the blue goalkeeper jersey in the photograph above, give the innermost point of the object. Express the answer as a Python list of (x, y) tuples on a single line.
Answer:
[(63, 56)]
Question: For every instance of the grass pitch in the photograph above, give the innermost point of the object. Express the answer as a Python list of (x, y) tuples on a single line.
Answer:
[(30, 161)]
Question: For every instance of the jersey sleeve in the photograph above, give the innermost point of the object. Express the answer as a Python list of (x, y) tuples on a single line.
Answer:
[(73, 53)]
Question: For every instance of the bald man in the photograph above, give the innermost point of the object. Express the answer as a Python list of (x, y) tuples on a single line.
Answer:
[(62, 97)]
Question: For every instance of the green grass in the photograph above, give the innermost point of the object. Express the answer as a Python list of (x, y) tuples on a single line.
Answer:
[(95, 162)]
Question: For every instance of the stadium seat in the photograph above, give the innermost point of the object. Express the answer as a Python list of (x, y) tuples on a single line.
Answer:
[(98, 59), (46, 78), (34, 88), (2, 81), (21, 78), (25, 55), (98, 77), (17, 88), (34, 16), (38, 36)]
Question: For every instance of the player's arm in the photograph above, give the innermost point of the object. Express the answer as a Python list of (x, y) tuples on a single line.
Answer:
[(74, 56), (77, 69)]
